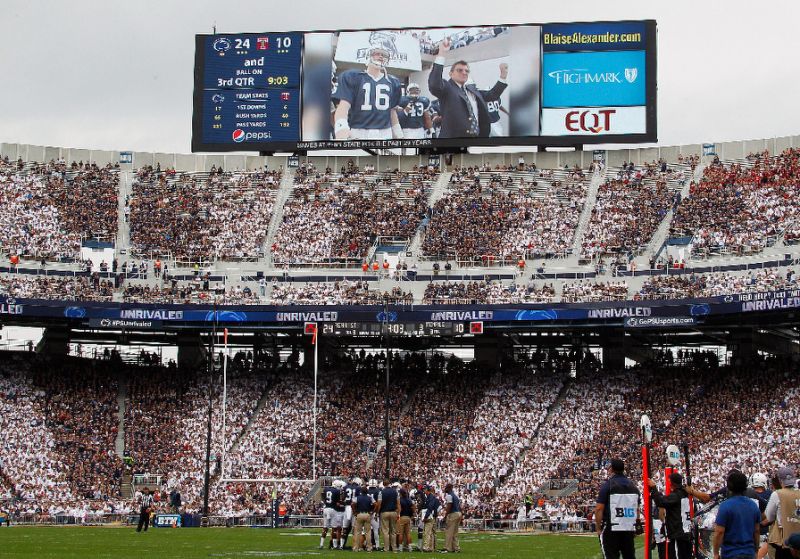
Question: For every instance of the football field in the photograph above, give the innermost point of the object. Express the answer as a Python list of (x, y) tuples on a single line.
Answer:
[(59, 542)]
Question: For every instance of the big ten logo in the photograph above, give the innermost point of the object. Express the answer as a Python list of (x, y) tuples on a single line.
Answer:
[(589, 121), (625, 512)]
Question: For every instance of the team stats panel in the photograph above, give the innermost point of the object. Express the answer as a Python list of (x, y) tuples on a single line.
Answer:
[(250, 89)]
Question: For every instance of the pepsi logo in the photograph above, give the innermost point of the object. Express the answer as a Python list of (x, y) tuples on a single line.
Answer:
[(238, 135)]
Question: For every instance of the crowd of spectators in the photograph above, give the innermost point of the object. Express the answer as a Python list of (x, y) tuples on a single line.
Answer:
[(190, 292), (46, 210), (588, 291), (713, 284), (333, 217), (343, 292), (740, 208), (501, 214), (626, 215), (496, 435), (493, 292), (201, 216), (78, 288)]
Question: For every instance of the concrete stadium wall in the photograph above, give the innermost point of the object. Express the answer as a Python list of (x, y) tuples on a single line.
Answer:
[(543, 160)]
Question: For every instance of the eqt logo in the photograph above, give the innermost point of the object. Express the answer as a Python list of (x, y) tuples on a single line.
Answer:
[(589, 121), (238, 135)]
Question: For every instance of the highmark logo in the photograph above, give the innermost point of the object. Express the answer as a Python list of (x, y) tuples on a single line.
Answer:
[(577, 76)]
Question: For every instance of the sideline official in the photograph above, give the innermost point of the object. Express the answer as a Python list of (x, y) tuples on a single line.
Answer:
[(145, 503), (617, 513)]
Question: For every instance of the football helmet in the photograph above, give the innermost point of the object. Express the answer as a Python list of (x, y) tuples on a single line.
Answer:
[(378, 56), (338, 484), (413, 90), (759, 480)]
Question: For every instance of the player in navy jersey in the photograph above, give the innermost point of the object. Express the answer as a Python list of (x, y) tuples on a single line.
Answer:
[(415, 118), (495, 108), (366, 101), (332, 513), (351, 491)]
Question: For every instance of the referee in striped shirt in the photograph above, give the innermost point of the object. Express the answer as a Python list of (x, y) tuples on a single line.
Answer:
[(145, 501)]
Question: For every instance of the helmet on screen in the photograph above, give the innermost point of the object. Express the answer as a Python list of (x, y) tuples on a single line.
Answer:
[(358, 481), (413, 90), (338, 484), (378, 56), (759, 480)]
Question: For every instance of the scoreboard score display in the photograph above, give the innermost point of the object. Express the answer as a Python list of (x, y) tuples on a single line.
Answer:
[(370, 329), (562, 84)]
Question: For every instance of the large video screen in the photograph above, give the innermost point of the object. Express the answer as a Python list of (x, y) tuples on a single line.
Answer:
[(562, 84)]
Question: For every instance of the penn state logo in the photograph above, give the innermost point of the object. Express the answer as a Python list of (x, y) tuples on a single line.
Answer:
[(217, 98), (390, 316), (728, 298), (631, 74), (238, 135), (222, 45)]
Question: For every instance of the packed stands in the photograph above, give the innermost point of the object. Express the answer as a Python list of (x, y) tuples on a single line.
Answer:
[(342, 292), (201, 216), (496, 292), (711, 285), (497, 436), (79, 288), (47, 210), (490, 216), (629, 208), (335, 217), (741, 207)]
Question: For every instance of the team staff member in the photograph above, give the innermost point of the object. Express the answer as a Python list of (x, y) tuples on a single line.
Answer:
[(783, 508), (463, 107), (429, 519), (617, 513), (388, 506), (407, 512), (452, 516), (677, 520), (145, 503), (736, 528), (362, 506)]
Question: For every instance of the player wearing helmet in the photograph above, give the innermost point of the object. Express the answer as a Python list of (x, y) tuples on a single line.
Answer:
[(351, 491), (414, 115), (366, 101), (332, 514)]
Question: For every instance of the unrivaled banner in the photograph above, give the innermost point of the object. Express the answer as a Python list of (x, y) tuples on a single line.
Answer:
[(632, 314)]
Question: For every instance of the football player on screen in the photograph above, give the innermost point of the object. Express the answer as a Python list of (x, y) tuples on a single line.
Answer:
[(366, 101), (414, 113)]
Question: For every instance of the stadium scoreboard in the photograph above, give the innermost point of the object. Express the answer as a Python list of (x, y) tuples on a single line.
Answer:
[(553, 84), (371, 329)]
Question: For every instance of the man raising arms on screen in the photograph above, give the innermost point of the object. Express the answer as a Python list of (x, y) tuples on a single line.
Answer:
[(367, 99), (463, 106)]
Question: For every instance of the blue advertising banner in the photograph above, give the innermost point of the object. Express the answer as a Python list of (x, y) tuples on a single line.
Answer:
[(149, 317), (594, 79), (624, 35)]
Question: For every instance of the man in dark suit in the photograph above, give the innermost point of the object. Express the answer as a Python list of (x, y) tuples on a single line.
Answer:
[(463, 106)]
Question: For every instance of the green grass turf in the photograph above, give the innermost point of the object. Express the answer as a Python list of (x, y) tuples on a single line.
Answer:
[(61, 542)]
